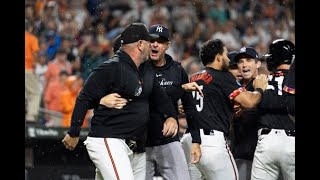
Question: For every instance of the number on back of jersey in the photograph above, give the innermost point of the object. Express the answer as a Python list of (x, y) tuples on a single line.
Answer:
[(198, 98)]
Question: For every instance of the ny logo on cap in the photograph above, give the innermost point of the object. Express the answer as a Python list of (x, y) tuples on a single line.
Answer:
[(159, 29), (243, 49)]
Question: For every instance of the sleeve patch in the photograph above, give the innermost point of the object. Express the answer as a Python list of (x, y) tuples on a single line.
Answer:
[(289, 90), (236, 92)]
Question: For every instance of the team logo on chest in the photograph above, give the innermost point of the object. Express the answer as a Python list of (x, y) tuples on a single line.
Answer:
[(164, 82)]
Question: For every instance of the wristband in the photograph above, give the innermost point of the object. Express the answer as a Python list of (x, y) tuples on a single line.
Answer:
[(259, 90)]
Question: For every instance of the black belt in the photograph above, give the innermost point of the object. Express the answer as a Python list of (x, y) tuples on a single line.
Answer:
[(211, 132), (288, 132), (135, 146), (208, 132)]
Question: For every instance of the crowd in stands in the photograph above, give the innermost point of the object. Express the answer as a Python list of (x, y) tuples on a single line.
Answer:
[(69, 38)]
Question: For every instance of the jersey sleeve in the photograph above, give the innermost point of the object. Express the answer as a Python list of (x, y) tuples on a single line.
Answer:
[(231, 87), (289, 86), (192, 115), (96, 86), (290, 89)]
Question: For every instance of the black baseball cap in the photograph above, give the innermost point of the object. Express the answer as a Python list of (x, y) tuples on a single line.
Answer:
[(159, 31), (231, 56), (135, 32), (116, 43), (246, 52)]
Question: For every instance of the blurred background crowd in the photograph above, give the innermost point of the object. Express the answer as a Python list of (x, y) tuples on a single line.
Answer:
[(66, 39)]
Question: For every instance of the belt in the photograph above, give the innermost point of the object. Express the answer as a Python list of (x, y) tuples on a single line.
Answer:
[(288, 132), (135, 146), (211, 132), (208, 131), (132, 144)]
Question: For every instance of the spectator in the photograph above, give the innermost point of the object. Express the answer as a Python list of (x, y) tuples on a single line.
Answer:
[(32, 85), (53, 44), (68, 98), (40, 70), (60, 63), (76, 66), (52, 100)]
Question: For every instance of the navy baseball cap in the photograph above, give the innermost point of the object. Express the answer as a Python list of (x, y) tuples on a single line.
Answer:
[(135, 32), (246, 52), (159, 31), (231, 56)]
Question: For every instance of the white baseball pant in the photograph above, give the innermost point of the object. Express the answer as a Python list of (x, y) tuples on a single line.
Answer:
[(114, 160), (216, 163), (275, 152)]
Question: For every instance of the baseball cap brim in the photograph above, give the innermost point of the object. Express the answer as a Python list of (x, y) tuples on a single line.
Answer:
[(156, 36), (243, 55)]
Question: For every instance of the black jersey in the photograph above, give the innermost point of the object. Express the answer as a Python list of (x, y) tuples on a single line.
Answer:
[(117, 75), (170, 77), (289, 85), (245, 131), (272, 107), (290, 89), (216, 107)]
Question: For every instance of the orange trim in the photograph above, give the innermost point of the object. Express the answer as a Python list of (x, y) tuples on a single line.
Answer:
[(236, 92), (232, 162), (112, 161), (289, 90)]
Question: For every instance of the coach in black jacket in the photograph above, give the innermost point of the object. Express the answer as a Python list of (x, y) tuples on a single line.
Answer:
[(115, 133), (163, 152)]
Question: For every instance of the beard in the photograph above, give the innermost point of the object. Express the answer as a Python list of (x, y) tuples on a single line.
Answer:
[(145, 55), (225, 66)]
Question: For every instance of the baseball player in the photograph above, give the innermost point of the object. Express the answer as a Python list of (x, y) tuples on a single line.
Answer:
[(289, 89), (275, 149), (115, 142), (233, 67), (221, 91), (234, 70)]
